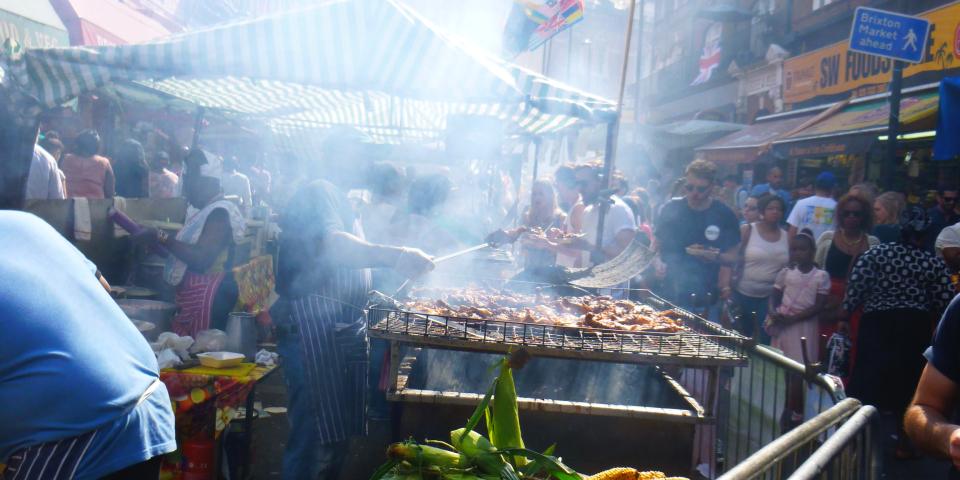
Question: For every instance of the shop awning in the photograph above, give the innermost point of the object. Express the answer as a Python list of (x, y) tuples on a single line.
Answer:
[(748, 144), (372, 64), (855, 128), (687, 133), (33, 24), (107, 22)]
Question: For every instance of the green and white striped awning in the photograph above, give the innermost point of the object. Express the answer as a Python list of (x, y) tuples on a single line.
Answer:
[(373, 64)]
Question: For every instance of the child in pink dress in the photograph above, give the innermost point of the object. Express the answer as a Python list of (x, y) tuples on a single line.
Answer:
[(800, 293)]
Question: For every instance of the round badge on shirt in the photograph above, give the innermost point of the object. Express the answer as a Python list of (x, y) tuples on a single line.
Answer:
[(712, 233)]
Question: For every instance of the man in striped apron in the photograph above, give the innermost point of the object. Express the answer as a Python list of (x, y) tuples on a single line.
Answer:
[(79, 387), (323, 281)]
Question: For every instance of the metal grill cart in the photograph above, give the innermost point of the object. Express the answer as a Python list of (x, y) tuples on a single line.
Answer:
[(606, 397)]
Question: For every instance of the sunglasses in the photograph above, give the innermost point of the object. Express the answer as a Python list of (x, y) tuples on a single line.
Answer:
[(949, 199), (853, 213), (698, 188)]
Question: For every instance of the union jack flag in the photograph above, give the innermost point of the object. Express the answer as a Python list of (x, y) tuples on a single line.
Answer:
[(533, 22), (709, 61)]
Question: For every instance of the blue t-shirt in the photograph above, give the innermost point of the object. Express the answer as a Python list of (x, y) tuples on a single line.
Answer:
[(944, 354), (70, 360), (764, 188)]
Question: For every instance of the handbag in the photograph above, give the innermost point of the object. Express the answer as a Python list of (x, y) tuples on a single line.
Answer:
[(737, 273)]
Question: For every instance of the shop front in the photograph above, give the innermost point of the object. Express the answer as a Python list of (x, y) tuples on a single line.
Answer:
[(851, 143), (32, 24), (101, 22), (740, 152)]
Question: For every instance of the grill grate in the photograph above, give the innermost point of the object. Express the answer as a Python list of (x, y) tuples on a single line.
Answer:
[(685, 348)]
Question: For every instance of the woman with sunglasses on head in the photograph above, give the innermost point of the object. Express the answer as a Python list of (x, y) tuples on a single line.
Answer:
[(902, 288), (750, 213), (837, 251)]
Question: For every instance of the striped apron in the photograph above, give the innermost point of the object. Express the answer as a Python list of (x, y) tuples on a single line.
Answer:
[(334, 349), (59, 460), (194, 297), (52, 460)]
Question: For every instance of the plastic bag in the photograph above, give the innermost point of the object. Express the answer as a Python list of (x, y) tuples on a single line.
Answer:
[(173, 342), (212, 340), (266, 358), (167, 358)]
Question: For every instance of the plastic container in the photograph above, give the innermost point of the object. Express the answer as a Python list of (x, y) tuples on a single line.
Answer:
[(198, 459), (220, 359)]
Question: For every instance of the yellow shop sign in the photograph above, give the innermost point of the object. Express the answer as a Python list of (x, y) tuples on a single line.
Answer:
[(832, 72)]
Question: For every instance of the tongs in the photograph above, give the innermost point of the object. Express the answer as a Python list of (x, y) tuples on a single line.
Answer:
[(406, 283)]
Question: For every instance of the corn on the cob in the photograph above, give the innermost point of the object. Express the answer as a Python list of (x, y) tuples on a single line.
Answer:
[(619, 473), (478, 450), (422, 455), (506, 420), (651, 475)]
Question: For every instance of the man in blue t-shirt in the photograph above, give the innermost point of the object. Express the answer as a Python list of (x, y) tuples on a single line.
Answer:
[(773, 186), (930, 421), (79, 387)]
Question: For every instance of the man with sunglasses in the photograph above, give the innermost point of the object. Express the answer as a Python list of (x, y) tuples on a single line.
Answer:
[(694, 235), (944, 214), (619, 224)]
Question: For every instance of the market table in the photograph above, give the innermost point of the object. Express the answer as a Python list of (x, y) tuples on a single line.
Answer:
[(207, 397)]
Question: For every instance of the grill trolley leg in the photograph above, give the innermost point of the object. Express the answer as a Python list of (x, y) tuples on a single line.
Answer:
[(394, 367)]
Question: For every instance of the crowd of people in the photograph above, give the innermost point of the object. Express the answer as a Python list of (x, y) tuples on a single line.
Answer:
[(862, 275), (79, 168)]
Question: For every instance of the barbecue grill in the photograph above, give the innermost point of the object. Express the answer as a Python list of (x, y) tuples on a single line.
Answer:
[(705, 345), (439, 372)]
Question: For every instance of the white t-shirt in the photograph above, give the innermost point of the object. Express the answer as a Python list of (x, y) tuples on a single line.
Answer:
[(236, 183), (815, 213), (43, 181), (619, 218)]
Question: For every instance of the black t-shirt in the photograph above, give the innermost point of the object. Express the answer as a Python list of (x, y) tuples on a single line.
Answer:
[(131, 179), (680, 226), (317, 210)]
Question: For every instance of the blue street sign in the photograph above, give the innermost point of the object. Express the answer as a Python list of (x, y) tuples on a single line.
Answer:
[(889, 34)]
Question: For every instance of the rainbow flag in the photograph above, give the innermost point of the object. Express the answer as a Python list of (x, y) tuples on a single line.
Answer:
[(533, 22)]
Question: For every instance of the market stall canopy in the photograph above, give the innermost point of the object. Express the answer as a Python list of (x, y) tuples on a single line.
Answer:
[(368, 63), (748, 144), (33, 24), (107, 22), (855, 128)]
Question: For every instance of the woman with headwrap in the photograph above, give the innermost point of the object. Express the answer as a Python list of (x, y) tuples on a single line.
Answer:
[(202, 252), (903, 289)]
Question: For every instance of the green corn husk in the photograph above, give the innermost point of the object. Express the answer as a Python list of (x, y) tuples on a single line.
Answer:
[(505, 418), (479, 451), (423, 455)]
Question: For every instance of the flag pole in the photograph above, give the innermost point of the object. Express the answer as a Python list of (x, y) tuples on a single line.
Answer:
[(613, 129)]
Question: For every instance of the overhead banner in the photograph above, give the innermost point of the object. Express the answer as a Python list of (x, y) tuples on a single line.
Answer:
[(834, 72)]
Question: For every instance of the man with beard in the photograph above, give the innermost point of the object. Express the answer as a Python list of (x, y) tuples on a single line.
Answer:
[(619, 224), (774, 186), (323, 280), (697, 238)]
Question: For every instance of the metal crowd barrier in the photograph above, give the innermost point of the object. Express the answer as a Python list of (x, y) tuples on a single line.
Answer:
[(750, 405), (840, 443)]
